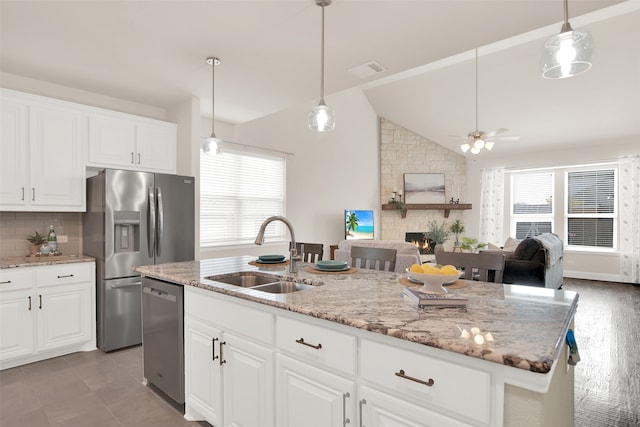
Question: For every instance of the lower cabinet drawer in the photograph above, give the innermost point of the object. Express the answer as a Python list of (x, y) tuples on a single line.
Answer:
[(64, 274), (432, 381), (318, 344), (16, 278)]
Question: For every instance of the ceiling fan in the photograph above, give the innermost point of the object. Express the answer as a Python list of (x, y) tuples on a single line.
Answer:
[(477, 140)]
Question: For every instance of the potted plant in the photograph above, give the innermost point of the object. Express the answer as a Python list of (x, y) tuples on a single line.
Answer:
[(36, 241), (457, 228), (439, 233), (469, 244)]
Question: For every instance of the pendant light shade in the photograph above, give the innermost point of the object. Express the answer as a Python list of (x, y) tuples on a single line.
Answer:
[(212, 144), (568, 53), (322, 118)]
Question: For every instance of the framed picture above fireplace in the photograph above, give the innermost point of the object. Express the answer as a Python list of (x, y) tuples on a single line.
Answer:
[(424, 188)]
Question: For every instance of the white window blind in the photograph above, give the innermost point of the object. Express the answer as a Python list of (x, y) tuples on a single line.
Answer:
[(531, 204), (238, 191), (591, 208)]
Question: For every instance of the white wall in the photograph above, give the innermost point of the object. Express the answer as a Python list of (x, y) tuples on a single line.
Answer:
[(594, 266), (327, 173)]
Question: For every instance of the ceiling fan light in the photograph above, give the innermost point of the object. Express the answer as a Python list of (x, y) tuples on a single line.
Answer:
[(479, 143), (488, 145), (322, 118), (475, 150), (465, 147)]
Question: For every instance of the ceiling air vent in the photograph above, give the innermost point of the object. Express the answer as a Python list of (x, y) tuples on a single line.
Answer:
[(368, 69)]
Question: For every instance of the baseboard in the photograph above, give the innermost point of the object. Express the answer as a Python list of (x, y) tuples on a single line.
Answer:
[(588, 275)]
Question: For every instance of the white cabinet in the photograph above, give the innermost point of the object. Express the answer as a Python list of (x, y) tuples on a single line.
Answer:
[(118, 140), (312, 397), (42, 154), (228, 372), (46, 312)]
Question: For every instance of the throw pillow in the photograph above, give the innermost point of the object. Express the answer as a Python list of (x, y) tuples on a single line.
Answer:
[(511, 244), (527, 249)]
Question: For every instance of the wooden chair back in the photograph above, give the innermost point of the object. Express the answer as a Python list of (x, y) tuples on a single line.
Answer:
[(373, 258), (310, 252), (481, 264)]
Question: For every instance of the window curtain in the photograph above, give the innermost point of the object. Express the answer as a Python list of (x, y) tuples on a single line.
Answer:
[(492, 206), (629, 203)]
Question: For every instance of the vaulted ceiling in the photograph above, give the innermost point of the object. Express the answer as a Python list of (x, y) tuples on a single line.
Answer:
[(154, 52)]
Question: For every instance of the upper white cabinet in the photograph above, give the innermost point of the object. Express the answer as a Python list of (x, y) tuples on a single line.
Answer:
[(42, 154), (130, 142)]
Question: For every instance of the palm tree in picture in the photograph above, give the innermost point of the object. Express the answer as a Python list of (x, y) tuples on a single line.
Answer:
[(352, 222)]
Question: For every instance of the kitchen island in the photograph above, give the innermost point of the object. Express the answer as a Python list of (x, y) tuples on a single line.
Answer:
[(389, 354)]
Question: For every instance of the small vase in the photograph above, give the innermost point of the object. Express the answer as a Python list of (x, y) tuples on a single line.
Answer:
[(439, 247), (34, 249)]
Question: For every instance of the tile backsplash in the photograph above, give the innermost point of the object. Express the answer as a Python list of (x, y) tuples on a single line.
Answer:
[(15, 226)]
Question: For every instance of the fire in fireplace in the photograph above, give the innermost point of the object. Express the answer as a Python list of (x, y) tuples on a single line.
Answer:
[(425, 245)]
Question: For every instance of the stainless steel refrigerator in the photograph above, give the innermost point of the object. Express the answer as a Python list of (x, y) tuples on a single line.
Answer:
[(133, 218)]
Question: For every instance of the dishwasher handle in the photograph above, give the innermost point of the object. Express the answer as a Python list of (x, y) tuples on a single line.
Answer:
[(159, 294)]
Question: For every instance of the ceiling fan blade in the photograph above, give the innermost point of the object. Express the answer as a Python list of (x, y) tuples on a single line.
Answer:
[(504, 138), (496, 132)]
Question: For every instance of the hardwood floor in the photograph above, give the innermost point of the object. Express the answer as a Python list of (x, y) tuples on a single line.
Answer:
[(95, 389)]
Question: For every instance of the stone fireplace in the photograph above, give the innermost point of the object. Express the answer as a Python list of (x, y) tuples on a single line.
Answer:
[(425, 245)]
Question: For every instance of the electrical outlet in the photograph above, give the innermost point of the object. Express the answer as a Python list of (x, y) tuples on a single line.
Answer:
[(63, 238)]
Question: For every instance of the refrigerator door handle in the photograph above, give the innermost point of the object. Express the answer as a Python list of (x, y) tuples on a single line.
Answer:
[(160, 222), (151, 222)]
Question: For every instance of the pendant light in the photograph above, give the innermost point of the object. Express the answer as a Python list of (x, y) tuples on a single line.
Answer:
[(322, 117), (568, 53), (212, 143)]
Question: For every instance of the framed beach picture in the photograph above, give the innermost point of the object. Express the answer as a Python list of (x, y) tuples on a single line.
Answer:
[(358, 224), (424, 188)]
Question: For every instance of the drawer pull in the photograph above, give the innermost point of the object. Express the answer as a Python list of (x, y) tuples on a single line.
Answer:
[(65, 276), (29, 302), (222, 361), (345, 420), (5, 282), (213, 349), (40, 300), (401, 374), (301, 341), (360, 405)]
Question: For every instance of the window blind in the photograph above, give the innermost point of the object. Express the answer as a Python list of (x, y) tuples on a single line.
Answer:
[(531, 204), (238, 191)]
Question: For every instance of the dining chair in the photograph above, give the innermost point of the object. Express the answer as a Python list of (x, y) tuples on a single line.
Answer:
[(373, 258), (475, 264), (310, 252)]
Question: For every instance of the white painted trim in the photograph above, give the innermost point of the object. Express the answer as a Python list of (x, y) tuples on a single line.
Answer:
[(590, 275)]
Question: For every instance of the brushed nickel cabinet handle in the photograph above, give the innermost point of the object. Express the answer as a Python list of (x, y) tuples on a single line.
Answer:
[(33, 194), (345, 420), (222, 361), (301, 341), (138, 158), (40, 302), (6, 282), (428, 383), (65, 276), (213, 349), (360, 405), (132, 157), (22, 193), (29, 302)]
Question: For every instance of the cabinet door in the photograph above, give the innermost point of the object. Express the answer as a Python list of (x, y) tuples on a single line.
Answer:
[(112, 142), (13, 154), (202, 382), (377, 409), (248, 383), (57, 136), (311, 397), (16, 323), (64, 315), (156, 147)]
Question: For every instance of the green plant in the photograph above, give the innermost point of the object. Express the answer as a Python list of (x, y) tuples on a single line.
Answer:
[(469, 244), (439, 233), (352, 222), (457, 228), (397, 204), (36, 239)]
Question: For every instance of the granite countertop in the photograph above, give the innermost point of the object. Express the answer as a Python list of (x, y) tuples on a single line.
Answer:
[(528, 324), (29, 261)]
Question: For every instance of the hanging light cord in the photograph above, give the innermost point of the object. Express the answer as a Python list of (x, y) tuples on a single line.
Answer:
[(476, 90), (565, 25), (213, 91), (322, 60)]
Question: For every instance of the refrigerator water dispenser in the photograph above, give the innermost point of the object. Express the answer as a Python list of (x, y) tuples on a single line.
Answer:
[(126, 231)]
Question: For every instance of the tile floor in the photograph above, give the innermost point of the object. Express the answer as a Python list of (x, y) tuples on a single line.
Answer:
[(95, 389)]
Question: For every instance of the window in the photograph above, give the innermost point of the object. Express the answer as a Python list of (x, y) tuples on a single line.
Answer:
[(531, 204), (591, 208), (238, 191)]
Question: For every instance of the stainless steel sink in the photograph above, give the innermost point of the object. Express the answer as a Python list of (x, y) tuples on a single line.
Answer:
[(259, 282), (245, 279), (282, 287)]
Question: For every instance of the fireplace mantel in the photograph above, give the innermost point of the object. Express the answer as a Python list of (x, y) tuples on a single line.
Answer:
[(447, 207)]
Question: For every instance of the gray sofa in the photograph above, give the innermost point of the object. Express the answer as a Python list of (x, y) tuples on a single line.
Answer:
[(536, 261)]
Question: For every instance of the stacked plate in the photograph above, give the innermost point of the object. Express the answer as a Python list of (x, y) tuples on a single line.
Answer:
[(270, 259), (331, 265)]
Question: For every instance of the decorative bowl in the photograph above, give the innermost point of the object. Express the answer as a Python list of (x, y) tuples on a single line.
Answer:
[(432, 283)]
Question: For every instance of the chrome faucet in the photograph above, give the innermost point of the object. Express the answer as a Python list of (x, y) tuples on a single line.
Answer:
[(294, 257)]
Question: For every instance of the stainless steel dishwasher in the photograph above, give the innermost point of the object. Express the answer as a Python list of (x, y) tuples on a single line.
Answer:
[(163, 337)]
